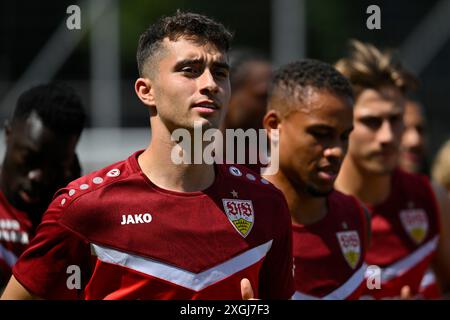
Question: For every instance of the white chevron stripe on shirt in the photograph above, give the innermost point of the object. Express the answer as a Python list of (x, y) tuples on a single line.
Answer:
[(7, 256), (341, 293), (181, 277), (400, 267)]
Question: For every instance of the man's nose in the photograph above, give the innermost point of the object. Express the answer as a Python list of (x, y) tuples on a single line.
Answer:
[(385, 133), (36, 175), (207, 82), (337, 150), (412, 138)]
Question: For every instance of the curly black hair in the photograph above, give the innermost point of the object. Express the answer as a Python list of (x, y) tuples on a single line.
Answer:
[(192, 25), (293, 80), (57, 105)]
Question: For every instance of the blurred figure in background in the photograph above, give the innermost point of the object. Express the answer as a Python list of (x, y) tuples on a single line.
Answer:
[(250, 74), (413, 159), (40, 158), (441, 166), (410, 229), (413, 144)]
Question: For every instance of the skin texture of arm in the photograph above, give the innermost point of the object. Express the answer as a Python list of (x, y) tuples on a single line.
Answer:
[(15, 291)]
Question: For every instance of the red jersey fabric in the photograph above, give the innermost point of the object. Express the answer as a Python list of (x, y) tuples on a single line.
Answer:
[(15, 232), (405, 233), (429, 289), (133, 240), (329, 254)]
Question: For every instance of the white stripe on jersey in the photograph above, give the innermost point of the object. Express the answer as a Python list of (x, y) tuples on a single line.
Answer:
[(181, 277), (341, 293), (407, 263), (428, 279), (7, 256)]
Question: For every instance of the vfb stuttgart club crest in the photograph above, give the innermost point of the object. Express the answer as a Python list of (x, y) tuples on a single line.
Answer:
[(241, 214), (415, 223), (350, 246)]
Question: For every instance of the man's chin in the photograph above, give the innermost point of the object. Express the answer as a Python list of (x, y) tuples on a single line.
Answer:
[(317, 192), (381, 169)]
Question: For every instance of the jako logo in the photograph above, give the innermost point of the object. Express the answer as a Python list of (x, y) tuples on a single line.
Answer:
[(136, 218)]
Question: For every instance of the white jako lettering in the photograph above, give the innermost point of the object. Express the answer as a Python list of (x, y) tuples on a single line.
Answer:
[(136, 218)]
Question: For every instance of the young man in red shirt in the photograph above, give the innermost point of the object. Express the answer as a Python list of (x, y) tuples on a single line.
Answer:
[(149, 228), (39, 159), (410, 217), (311, 105)]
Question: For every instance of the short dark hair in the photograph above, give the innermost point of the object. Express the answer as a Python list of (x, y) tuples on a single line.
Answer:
[(293, 79), (192, 25), (239, 57), (56, 104), (368, 67)]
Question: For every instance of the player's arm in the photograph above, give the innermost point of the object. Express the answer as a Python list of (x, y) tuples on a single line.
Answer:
[(276, 275), (441, 263), (15, 291)]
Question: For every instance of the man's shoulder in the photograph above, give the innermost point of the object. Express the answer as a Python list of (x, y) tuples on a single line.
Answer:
[(88, 186), (250, 180), (403, 179)]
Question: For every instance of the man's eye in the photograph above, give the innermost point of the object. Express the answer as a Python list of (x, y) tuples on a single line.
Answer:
[(221, 74), (190, 71), (320, 134), (373, 123)]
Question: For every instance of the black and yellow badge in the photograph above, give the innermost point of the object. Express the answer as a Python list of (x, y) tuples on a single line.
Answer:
[(350, 246), (415, 222), (241, 214)]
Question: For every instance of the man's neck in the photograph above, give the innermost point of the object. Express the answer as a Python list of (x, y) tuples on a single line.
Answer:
[(304, 208), (157, 164), (371, 189)]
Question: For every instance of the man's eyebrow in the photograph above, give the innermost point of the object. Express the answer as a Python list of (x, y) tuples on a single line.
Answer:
[(216, 64), (223, 65), (321, 126), (185, 62)]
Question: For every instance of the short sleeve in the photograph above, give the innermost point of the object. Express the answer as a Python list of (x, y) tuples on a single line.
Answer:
[(54, 258), (276, 277)]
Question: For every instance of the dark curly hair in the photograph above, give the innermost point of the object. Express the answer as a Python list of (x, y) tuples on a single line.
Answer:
[(296, 79), (192, 25), (57, 104)]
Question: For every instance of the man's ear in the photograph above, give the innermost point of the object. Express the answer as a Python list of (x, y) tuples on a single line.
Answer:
[(271, 120), (144, 90)]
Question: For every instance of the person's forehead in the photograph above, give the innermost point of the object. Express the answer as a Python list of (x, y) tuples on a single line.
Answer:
[(322, 106), (376, 102), (34, 134), (192, 48), (412, 109)]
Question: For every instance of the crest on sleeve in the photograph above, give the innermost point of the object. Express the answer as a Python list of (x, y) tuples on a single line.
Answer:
[(241, 214), (350, 246)]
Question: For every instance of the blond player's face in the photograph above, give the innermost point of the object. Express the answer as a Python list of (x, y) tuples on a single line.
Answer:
[(191, 84), (378, 127)]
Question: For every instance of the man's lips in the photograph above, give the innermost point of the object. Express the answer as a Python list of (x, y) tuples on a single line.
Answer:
[(411, 156), (206, 106), (27, 198), (328, 173)]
